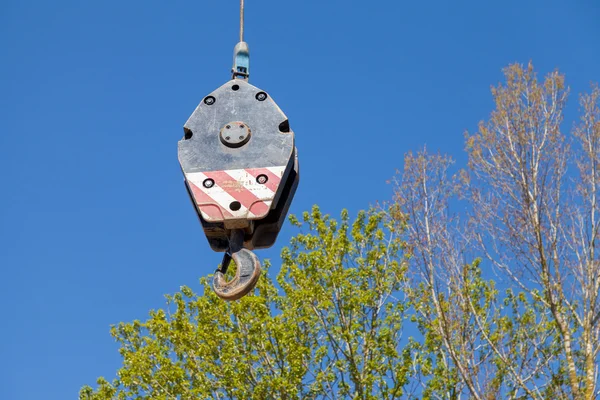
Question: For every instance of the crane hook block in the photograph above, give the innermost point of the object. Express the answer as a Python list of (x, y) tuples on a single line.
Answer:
[(240, 165)]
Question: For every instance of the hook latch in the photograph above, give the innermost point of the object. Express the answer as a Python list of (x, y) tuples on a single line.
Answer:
[(247, 273)]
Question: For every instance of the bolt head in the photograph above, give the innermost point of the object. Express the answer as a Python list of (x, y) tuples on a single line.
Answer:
[(261, 96), (208, 183)]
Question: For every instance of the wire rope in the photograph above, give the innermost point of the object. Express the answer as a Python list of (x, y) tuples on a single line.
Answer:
[(241, 20)]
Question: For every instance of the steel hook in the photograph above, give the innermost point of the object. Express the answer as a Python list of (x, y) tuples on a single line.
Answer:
[(248, 269)]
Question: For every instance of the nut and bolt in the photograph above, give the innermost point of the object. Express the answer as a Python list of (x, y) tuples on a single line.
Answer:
[(261, 96), (233, 138), (209, 100), (208, 183), (262, 179)]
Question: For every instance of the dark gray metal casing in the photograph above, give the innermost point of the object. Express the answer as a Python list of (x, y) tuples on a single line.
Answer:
[(268, 147), (203, 152)]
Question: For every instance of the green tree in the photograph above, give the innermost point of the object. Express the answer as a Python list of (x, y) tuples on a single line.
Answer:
[(333, 330)]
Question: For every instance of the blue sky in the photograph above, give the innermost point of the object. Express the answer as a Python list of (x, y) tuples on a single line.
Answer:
[(95, 224)]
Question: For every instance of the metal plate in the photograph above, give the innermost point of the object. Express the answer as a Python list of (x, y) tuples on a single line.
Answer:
[(234, 138), (267, 147)]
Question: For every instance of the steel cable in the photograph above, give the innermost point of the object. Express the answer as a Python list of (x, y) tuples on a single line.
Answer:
[(241, 20)]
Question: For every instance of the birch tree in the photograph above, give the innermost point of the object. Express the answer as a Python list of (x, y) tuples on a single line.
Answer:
[(529, 211)]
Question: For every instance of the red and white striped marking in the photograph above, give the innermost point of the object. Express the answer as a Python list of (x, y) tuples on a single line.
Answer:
[(235, 185)]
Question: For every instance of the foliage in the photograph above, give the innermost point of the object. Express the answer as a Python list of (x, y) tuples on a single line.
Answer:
[(333, 330)]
